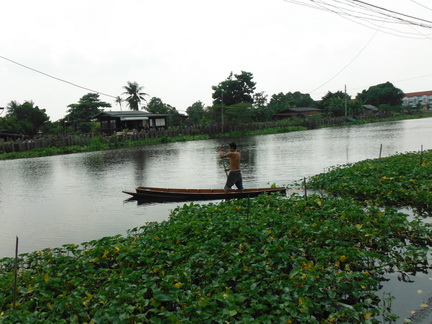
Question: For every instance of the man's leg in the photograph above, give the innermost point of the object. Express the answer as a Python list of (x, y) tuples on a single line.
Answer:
[(239, 182), (230, 181)]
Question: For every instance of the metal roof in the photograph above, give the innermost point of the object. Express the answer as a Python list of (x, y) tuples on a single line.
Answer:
[(129, 115), (370, 107)]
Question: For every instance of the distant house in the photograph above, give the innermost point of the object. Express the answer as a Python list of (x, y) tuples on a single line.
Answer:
[(300, 112), (422, 98), (369, 110), (117, 121)]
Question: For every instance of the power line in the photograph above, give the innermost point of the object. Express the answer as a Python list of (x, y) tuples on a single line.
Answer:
[(421, 5), (395, 12), (58, 79), (366, 14), (349, 63)]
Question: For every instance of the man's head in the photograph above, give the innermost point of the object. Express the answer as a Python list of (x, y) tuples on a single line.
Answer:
[(233, 146)]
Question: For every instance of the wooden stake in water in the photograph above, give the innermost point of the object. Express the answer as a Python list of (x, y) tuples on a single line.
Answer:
[(421, 155), (377, 169), (16, 273), (305, 188)]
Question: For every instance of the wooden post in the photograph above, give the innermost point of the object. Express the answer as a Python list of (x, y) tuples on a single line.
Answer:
[(377, 169), (15, 273), (421, 155), (305, 188)]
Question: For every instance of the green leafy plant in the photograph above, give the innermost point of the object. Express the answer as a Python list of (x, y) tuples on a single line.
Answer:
[(267, 259), (399, 180)]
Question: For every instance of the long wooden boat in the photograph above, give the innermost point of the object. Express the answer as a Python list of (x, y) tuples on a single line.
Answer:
[(172, 194)]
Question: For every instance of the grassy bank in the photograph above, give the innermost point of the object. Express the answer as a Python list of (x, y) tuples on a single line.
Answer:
[(99, 143), (379, 120), (399, 180), (269, 259)]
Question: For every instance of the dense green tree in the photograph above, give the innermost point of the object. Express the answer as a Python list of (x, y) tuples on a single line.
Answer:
[(237, 88), (80, 115), (196, 113), (24, 118), (382, 94), (135, 95), (355, 107), (157, 106), (281, 101), (333, 103), (9, 124), (259, 99), (241, 113), (53, 127), (260, 107)]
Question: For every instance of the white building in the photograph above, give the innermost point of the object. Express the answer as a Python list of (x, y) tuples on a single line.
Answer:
[(424, 98)]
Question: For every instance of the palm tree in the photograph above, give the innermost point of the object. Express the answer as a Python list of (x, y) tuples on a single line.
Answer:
[(11, 106), (119, 100), (133, 90)]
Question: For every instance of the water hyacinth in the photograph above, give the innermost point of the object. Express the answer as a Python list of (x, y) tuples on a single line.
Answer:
[(267, 259), (399, 180)]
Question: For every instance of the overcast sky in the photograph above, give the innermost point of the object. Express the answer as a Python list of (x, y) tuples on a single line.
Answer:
[(177, 50)]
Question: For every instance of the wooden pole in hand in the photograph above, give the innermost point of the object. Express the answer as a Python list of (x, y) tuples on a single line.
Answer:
[(223, 162)]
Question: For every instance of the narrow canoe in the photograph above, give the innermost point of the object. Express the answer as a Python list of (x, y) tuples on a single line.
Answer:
[(172, 194)]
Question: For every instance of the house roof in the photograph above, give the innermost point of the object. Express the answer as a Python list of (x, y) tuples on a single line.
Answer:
[(300, 110), (418, 94), (129, 115), (370, 107)]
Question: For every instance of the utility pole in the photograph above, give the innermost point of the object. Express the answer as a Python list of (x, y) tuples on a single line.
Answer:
[(222, 111), (345, 103)]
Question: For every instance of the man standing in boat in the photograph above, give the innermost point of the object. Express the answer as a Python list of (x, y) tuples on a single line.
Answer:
[(234, 176)]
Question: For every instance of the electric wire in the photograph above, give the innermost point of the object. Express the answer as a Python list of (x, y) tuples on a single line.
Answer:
[(368, 14), (58, 79), (349, 63), (421, 5)]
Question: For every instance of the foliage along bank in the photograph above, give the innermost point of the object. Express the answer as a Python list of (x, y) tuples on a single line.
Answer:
[(97, 143), (399, 180), (267, 259)]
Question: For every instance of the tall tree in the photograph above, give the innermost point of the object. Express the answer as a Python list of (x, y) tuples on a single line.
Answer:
[(283, 101), (26, 118), (333, 103), (237, 88), (135, 95), (382, 94), (80, 114), (157, 106), (259, 99), (118, 101), (196, 113)]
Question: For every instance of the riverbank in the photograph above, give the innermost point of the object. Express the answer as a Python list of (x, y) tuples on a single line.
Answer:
[(314, 260), (99, 143)]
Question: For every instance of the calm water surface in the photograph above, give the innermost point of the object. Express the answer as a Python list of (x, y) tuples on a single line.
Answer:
[(51, 201)]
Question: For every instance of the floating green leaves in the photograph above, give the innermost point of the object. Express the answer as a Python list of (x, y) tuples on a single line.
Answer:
[(399, 180), (269, 259)]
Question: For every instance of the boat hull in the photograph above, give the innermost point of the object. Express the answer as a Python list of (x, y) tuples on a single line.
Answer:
[(171, 194)]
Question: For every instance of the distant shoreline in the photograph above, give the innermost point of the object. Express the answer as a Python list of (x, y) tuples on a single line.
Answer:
[(100, 143)]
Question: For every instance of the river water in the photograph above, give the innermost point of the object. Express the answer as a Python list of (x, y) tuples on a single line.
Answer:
[(51, 201)]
